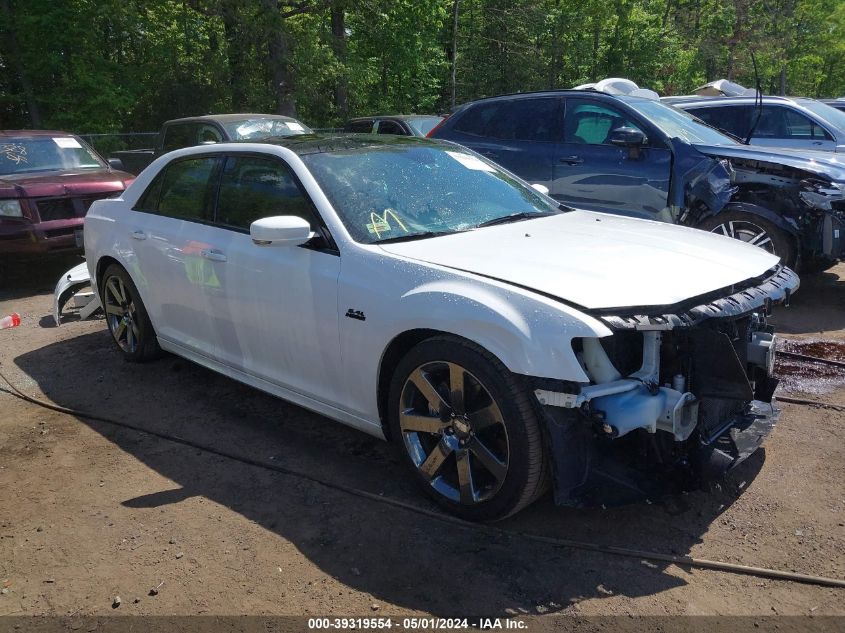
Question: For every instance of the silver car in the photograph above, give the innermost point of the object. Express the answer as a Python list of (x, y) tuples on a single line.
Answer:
[(797, 123)]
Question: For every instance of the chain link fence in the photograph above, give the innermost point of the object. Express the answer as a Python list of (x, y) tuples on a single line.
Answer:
[(105, 144)]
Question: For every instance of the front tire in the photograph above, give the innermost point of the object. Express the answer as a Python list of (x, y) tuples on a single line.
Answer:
[(126, 316), (754, 230), (468, 429)]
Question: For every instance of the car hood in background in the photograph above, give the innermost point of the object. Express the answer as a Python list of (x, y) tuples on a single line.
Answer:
[(829, 164), (596, 260), (63, 183)]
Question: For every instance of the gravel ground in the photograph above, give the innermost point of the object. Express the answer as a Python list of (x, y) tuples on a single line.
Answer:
[(91, 511)]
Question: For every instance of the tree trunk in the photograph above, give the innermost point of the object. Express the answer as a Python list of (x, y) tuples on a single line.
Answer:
[(282, 80), (17, 65), (453, 77), (235, 56), (341, 88)]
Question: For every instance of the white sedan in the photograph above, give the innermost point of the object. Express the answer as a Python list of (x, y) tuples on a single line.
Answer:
[(415, 291)]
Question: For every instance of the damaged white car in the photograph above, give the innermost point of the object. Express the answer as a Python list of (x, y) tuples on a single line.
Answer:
[(418, 292)]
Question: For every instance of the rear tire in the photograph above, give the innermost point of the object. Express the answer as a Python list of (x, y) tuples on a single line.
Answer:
[(126, 316), (479, 453), (752, 229)]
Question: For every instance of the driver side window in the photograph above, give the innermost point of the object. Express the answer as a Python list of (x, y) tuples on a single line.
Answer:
[(252, 188), (591, 123)]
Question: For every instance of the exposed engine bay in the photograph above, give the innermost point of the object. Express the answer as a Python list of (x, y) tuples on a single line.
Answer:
[(687, 393), (808, 206)]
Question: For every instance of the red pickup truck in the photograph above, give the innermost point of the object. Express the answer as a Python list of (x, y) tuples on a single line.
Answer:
[(48, 180)]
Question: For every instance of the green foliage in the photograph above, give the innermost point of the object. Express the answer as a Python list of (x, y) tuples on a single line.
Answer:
[(107, 66)]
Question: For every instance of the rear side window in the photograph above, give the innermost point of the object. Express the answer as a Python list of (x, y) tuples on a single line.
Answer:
[(525, 120), (735, 120), (187, 190), (360, 127), (779, 122), (252, 188), (179, 136), (390, 127), (474, 119)]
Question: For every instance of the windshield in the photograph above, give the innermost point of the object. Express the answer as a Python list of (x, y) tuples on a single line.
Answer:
[(264, 127), (397, 192), (830, 114), (20, 155), (679, 124), (424, 125)]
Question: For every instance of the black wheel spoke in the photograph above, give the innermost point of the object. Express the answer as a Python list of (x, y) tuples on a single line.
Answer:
[(485, 417), (456, 388), (424, 386), (414, 422), (434, 462), (492, 463), (465, 482)]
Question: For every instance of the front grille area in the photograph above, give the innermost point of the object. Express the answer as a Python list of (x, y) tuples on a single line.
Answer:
[(60, 232), (56, 209), (68, 208), (87, 201)]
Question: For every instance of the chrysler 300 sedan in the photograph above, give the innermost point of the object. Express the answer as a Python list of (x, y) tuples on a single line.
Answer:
[(418, 292)]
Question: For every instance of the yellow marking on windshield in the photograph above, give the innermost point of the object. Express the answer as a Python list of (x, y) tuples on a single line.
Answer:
[(379, 223)]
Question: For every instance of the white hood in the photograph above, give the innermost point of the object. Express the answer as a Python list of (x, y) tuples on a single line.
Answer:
[(597, 260)]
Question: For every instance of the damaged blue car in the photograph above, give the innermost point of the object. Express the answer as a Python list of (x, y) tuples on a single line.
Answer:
[(633, 155)]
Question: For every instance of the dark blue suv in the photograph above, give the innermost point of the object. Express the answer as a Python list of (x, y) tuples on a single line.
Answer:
[(640, 157)]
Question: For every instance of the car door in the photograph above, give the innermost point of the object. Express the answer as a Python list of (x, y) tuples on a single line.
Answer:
[(171, 232), (275, 310), (784, 126), (520, 134), (592, 173)]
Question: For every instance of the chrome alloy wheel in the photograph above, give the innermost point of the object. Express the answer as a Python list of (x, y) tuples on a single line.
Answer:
[(454, 432), (748, 232), (121, 314)]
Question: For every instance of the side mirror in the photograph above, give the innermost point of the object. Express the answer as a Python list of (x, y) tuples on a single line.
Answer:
[(116, 163), (628, 137), (280, 230), (541, 188)]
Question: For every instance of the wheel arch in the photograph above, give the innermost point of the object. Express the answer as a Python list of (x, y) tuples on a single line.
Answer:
[(102, 264), (791, 232), (767, 214)]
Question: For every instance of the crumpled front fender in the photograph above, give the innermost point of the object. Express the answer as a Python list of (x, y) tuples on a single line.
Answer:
[(698, 179)]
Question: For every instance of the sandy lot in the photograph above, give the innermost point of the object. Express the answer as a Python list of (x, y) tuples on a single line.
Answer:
[(90, 511)]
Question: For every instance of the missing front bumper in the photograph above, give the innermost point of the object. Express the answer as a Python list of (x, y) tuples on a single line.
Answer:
[(590, 470)]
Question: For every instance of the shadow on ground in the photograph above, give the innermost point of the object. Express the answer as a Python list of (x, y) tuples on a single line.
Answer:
[(817, 307), (401, 558), (34, 275)]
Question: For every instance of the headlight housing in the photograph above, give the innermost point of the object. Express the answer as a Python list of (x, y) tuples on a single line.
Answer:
[(10, 209)]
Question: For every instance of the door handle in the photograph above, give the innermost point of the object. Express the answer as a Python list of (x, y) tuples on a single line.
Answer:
[(139, 235), (572, 160), (213, 254)]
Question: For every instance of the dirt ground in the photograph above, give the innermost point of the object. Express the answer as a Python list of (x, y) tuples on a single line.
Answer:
[(90, 511)]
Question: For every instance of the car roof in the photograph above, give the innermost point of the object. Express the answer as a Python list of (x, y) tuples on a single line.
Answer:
[(303, 144), (401, 117), (34, 133), (227, 118), (561, 92), (699, 100)]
